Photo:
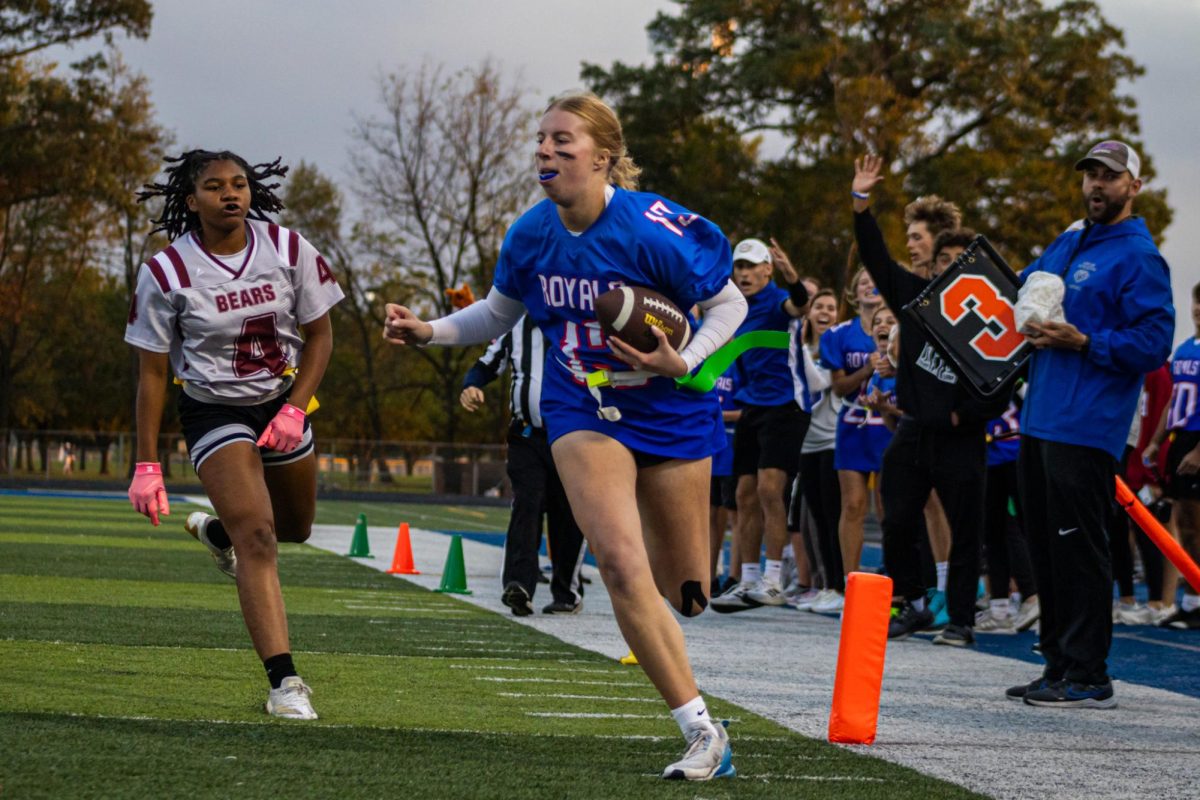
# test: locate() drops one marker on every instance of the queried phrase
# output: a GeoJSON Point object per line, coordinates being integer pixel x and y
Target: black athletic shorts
{"type": "Point", "coordinates": [207, 427]}
{"type": "Point", "coordinates": [1182, 487]}
{"type": "Point", "coordinates": [769, 437]}
{"type": "Point", "coordinates": [723, 492]}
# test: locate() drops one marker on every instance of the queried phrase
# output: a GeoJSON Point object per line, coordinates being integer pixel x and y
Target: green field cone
{"type": "Point", "coordinates": [360, 545]}
{"type": "Point", "coordinates": [454, 576]}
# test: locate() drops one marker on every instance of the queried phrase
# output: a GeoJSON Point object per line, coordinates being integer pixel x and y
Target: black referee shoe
{"type": "Point", "coordinates": [956, 636]}
{"type": "Point", "coordinates": [517, 598]}
{"type": "Point", "coordinates": [562, 607]}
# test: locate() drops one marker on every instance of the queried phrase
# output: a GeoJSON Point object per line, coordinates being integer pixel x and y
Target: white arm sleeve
{"type": "Point", "coordinates": [817, 377]}
{"type": "Point", "coordinates": [478, 322]}
{"type": "Point", "coordinates": [723, 313]}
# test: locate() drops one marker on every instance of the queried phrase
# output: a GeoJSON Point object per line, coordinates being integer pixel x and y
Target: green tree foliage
{"type": "Point", "coordinates": [986, 102]}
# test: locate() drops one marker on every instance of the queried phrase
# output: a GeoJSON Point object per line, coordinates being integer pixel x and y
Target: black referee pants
{"type": "Point", "coordinates": [537, 490]}
{"type": "Point", "coordinates": [954, 462]}
{"type": "Point", "coordinates": [1067, 496]}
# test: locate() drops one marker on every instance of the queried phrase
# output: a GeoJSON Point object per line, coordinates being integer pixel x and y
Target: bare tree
{"type": "Point", "coordinates": [441, 174]}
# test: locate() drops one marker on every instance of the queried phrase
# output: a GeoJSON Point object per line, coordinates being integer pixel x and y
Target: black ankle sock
{"type": "Point", "coordinates": [217, 535]}
{"type": "Point", "coordinates": [279, 667]}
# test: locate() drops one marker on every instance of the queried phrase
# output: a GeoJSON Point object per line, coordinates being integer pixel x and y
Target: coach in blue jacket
{"type": "Point", "coordinates": [1084, 380]}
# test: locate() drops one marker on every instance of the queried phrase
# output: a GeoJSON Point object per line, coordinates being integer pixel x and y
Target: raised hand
{"type": "Point", "coordinates": [781, 262]}
{"type": "Point", "coordinates": [404, 327]}
{"type": "Point", "coordinates": [868, 171]}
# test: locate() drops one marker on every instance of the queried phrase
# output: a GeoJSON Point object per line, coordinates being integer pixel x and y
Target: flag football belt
{"type": "Point", "coordinates": [313, 405]}
{"type": "Point", "coordinates": [598, 379]}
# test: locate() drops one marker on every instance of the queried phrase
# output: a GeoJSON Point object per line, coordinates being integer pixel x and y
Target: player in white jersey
{"type": "Point", "coordinates": [637, 486]}
{"type": "Point", "coordinates": [232, 305]}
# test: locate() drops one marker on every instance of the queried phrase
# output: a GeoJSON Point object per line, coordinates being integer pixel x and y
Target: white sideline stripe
{"type": "Point", "coordinates": [775, 776]}
{"type": "Point", "coordinates": [413, 609]}
{"type": "Point", "coordinates": [557, 680]}
{"type": "Point", "coordinates": [538, 669]}
{"type": "Point", "coordinates": [583, 697]}
{"type": "Point", "coordinates": [495, 650]}
{"type": "Point", "coordinates": [591, 715]}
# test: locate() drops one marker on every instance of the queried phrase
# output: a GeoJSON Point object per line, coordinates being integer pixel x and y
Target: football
{"type": "Point", "coordinates": [629, 312]}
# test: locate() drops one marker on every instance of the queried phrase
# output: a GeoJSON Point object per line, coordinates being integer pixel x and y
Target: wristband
{"type": "Point", "coordinates": [859, 195]}
{"type": "Point", "coordinates": [797, 293]}
{"type": "Point", "coordinates": [147, 468]}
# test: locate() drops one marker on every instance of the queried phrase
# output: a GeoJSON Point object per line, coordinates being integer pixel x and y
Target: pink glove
{"type": "Point", "coordinates": [285, 431]}
{"type": "Point", "coordinates": [147, 492]}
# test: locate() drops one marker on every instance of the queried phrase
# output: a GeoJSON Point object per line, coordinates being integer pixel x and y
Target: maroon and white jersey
{"type": "Point", "coordinates": [231, 324]}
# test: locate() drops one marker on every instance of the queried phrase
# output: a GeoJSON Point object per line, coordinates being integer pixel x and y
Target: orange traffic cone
{"type": "Point", "coordinates": [861, 651]}
{"type": "Point", "coordinates": [402, 561]}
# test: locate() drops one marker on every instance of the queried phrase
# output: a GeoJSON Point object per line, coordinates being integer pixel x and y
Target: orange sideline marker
{"type": "Point", "coordinates": [861, 651]}
{"type": "Point", "coordinates": [1158, 534]}
{"type": "Point", "coordinates": [402, 561]}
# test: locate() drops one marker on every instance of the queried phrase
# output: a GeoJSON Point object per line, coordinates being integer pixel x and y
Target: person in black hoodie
{"type": "Point", "coordinates": [939, 442]}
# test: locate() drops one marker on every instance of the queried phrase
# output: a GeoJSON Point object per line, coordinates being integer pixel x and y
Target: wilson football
{"type": "Point", "coordinates": [629, 312]}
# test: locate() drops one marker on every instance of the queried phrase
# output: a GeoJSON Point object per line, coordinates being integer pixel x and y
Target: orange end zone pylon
{"type": "Point", "coordinates": [402, 561]}
{"type": "Point", "coordinates": [1162, 538]}
{"type": "Point", "coordinates": [861, 651]}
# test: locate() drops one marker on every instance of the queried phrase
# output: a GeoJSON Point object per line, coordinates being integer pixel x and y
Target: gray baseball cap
{"type": "Point", "coordinates": [1115, 155]}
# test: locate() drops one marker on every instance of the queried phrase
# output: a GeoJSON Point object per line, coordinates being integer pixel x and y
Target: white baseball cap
{"type": "Point", "coordinates": [753, 250]}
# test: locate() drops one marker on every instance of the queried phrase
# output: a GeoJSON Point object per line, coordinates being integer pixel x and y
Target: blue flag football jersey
{"type": "Point", "coordinates": [640, 239]}
{"type": "Point", "coordinates": [724, 389]}
{"type": "Point", "coordinates": [861, 434]}
{"type": "Point", "coordinates": [764, 377]}
{"type": "Point", "coordinates": [1185, 385]}
{"type": "Point", "coordinates": [1003, 450]}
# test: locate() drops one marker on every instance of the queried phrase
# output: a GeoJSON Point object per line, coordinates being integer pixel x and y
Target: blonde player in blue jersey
{"type": "Point", "coordinates": [634, 456]}
{"type": "Point", "coordinates": [230, 306]}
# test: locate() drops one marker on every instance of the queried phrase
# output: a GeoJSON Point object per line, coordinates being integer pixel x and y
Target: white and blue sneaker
{"type": "Point", "coordinates": [197, 525]}
{"type": "Point", "coordinates": [708, 756]}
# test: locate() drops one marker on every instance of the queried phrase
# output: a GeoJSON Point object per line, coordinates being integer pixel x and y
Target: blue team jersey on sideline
{"type": "Point", "coordinates": [804, 397]}
{"type": "Point", "coordinates": [764, 376]}
{"type": "Point", "coordinates": [1185, 385]}
{"type": "Point", "coordinates": [725, 388]}
{"type": "Point", "coordinates": [640, 239]}
{"type": "Point", "coordinates": [861, 434]}
{"type": "Point", "coordinates": [1003, 451]}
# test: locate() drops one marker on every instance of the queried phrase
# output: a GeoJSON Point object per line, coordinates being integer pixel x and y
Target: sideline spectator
{"type": "Point", "coordinates": [939, 442]}
{"type": "Point", "coordinates": [537, 489]}
{"type": "Point", "coordinates": [1084, 378]}
{"type": "Point", "coordinates": [722, 494]}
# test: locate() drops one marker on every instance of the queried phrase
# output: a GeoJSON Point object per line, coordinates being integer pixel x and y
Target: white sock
{"type": "Point", "coordinates": [1190, 602]}
{"type": "Point", "coordinates": [750, 572]}
{"type": "Point", "coordinates": [773, 570]}
{"type": "Point", "coordinates": [692, 716]}
{"type": "Point", "coordinates": [1000, 608]}
{"type": "Point", "coordinates": [943, 569]}
{"type": "Point", "coordinates": [788, 551]}
{"type": "Point", "coordinates": [919, 604]}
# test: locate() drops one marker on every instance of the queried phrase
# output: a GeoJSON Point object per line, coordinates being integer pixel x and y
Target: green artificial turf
{"type": "Point", "coordinates": [125, 671]}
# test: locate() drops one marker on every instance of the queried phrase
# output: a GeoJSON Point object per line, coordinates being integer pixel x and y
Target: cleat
{"type": "Point", "coordinates": [517, 598]}
{"type": "Point", "coordinates": [766, 593]}
{"type": "Point", "coordinates": [1068, 694]}
{"type": "Point", "coordinates": [908, 622]}
{"type": "Point", "coordinates": [561, 607]}
{"type": "Point", "coordinates": [1028, 614]}
{"type": "Point", "coordinates": [291, 700]}
{"type": "Point", "coordinates": [955, 636]}
{"type": "Point", "coordinates": [197, 525]}
{"type": "Point", "coordinates": [733, 599]}
{"type": "Point", "coordinates": [708, 756]}
{"type": "Point", "coordinates": [832, 603]}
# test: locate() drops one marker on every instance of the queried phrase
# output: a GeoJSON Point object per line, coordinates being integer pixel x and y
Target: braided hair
{"type": "Point", "coordinates": [177, 219]}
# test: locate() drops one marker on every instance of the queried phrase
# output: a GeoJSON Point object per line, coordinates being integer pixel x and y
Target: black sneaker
{"type": "Point", "coordinates": [955, 636]}
{"type": "Point", "coordinates": [1183, 620]}
{"type": "Point", "coordinates": [1068, 694]}
{"type": "Point", "coordinates": [518, 599]}
{"type": "Point", "coordinates": [1018, 692]}
{"type": "Point", "coordinates": [562, 607]}
{"type": "Point", "coordinates": [909, 621]}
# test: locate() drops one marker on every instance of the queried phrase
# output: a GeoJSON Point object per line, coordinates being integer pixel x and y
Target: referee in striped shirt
{"type": "Point", "coordinates": [535, 482]}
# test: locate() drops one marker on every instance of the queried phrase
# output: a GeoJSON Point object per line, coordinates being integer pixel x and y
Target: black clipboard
{"type": "Point", "coordinates": [967, 314]}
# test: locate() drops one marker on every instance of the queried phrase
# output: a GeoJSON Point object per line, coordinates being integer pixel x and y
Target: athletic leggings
{"type": "Point", "coordinates": [819, 482]}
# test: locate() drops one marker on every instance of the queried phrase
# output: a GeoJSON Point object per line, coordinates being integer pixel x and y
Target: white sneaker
{"type": "Point", "coordinates": [1162, 613]}
{"type": "Point", "coordinates": [805, 600]}
{"type": "Point", "coordinates": [988, 621]}
{"type": "Point", "coordinates": [291, 700]}
{"type": "Point", "coordinates": [766, 593]}
{"type": "Point", "coordinates": [1027, 614]}
{"type": "Point", "coordinates": [1132, 614]}
{"type": "Point", "coordinates": [833, 603]}
{"type": "Point", "coordinates": [708, 756]}
{"type": "Point", "coordinates": [197, 526]}
{"type": "Point", "coordinates": [734, 599]}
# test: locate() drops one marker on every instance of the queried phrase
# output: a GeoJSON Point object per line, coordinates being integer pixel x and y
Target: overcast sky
{"type": "Point", "coordinates": [282, 77]}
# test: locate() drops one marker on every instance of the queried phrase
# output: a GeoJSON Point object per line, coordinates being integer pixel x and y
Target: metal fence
{"type": "Point", "coordinates": [347, 464]}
